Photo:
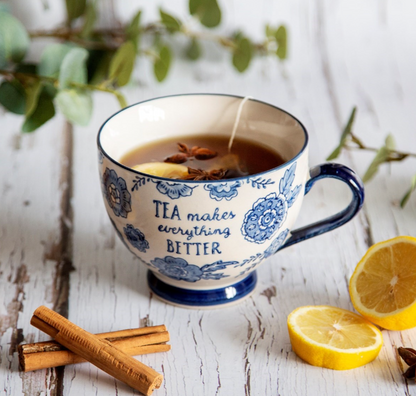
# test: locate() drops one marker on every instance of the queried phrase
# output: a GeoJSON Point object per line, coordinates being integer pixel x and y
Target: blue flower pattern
{"type": "Point", "coordinates": [219, 191]}
{"type": "Point", "coordinates": [276, 244]}
{"type": "Point", "coordinates": [136, 238]}
{"type": "Point", "coordinates": [116, 192]}
{"type": "Point", "coordinates": [173, 190]}
{"type": "Point", "coordinates": [268, 213]}
{"type": "Point", "coordinates": [179, 269]}
{"type": "Point", "coordinates": [119, 234]}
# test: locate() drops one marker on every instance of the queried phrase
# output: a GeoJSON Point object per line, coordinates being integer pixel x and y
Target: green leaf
{"type": "Point", "coordinates": [43, 112]}
{"type": "Point", "coordinates": [193, 52]}
{"type": "Point", "coordinates": [281, 39]}
{"type": "Point", "coordinates": [32, 97]}
{"type": "Point", "coordinates": [75, 105]}
{"type": "Point", "coordinates": [89, 20]}
{"type": "Point", "coordinates": [381, 157]}
{"type": "Point", "coordinates": [73, 68]}
{"type": "Point", "coordinates": [270, 32]}
{"type": "Point", "coordinates": [194, 6]}
{"type": "Point", "coordinates": [12, 96]}
{"type": "Point", "coordinates": [98, 65]}
{"type": "Point", "coordinates": [75, 8]}
{"type": "Point", "coordinates": [4, 7]}
{"type": "Point", "coordinates": [162, 63]}
{"type": "Point", "coordinates": [122, 64]}
{"type": "Point", "coordinates": [51, 59]}
{"type": "Point", "coordinates": [171, 23]}
{"type": "Point", "coordinates": [208, 12]}
{"type": "Point", "coordinates": [406, 197]}
{"type": "Point", "coordinates": [14, 40]}
{"type": "Point", "coordinates": [27, 68]}
{"type": "Point", "coordinates": [242, 54]}
{"type": "Point", "coordinates": [390, 143]}
{"type": "Point", "coordinates": [345, 133]}
{"type": "Point", "coordinates": [133, 30]}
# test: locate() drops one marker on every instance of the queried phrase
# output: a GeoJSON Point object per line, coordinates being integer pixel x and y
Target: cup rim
{"type": "Point", "coordinates": [284, 165]}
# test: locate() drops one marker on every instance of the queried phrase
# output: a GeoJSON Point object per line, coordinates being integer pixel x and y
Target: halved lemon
{"type": "Point", "coordinates": [162, 169]}
{"type": "Point", "coordinates": [332, 337]}
{"type": "Point", "coordinates": [383, 285]}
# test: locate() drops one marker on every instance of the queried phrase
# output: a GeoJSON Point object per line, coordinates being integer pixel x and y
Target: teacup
{"type": "Point", "coordinates": [203, 240]}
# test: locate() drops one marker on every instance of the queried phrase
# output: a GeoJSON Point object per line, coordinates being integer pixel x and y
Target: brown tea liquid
{"type": "Point", "coordinates": [245, 158]}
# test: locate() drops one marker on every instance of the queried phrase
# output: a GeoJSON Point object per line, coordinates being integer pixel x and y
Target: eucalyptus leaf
{"type": "Point", "coordinates": [194, 5]}
{"type": "Point", "coordinates": [412, 188]}
{"type": "Point", "coordinates": [162, 64]}
{"type": "Point", "coordinates": [12, 96]}
{"type": "Point", "coordinates": [14, 39]}
{"type": "Point", "coordinates": [193, 52]}
{"type": "Point", "coordinates": [345, 134]}
{"type": "Point", "coordinates": [133, 30]}
{"type": "Point", "coordinates": [75, 8]}
{"type": "Point", "coordinates": [281, 39]}
{"type": "Point", "coordinates": [98, 65]}
{"type": "Point", "coordinates": [75, 105]}
{"type": "Point", "coordinates": [43, 112]}
{"type": "Point", "coordinates": [73, 68]}
{"type": "Point", "coordinates": [51, 59]}
{"type": "Point", "coordinates": [171, 23]}
{"type": "Point", "coordinates": [122, 64]}
{"type": "Point", "coordinates": [27, 68]}
{"type": "Point", "coordinates": [381, 157]}
{"type": "Point", "coordinates": [208, 12]}
{"type": "Point", "coordinates": [4, 7]}
{"type": "Point", "coordinates": [90, 17]}
{"type": "Point", "coordinates": [270, 32]}
{"type": "Point", "coordinates": [32, 97]}
{"type": "Point", "coordinates": [390, 142]}
{"type": "Point", "coordinates": [242, 54]}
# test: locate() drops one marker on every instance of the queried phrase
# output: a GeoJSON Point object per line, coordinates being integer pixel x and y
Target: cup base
{"type": "Point", "coordinates": [214, 298]}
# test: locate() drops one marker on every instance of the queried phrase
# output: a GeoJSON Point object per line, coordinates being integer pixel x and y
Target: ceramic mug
{"type": "Point", "coordinates": [203, 240]}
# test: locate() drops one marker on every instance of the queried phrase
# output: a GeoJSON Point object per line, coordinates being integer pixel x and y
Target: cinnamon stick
{"type": "Point", "coordinates": [99, 352]}
{"type": "Point", "coordinates": [41, 355]}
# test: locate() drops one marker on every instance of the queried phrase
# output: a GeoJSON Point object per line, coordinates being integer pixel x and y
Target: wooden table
{"type": "Point", "coordinates": [57, 246]}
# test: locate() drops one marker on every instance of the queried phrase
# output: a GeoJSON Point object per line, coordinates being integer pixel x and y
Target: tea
{"type": "Point", "coordinates": [202, 157]}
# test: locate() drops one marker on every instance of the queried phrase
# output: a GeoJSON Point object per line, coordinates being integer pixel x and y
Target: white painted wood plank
{"type": "Point", "coordinates": [29, 229]}
{"type": "Point", "coordinates": [338, 58]}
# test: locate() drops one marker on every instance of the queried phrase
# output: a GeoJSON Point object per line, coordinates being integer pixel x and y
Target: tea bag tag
{"type": "Point", "coordinates": [237, 120]}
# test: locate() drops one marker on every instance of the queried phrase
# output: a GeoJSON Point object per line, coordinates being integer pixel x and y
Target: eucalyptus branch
{"type": "Point", "coordinates": [85, 58]}
{"type": "Point", "coordinates": [385, 154]}
{"type": "Point", "coordinates": [395, 155]}
{"type": "Point", "coordinates": [119, 36]}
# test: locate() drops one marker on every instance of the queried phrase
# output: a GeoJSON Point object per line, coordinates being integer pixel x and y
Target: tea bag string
{"type": "Point", "coordinates": [237, 120]}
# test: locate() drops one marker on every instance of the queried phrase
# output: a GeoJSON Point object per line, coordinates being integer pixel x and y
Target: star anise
{"type": "Point", "coordinates": [409, 356]}
{"type": "Point", "coordinates": [185, 152]}
{"type": "Point", "coordinates": [199, 174]}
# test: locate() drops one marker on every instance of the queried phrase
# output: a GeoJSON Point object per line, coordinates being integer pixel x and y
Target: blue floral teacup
{"type": "Point", "coordinates": [203, 240]}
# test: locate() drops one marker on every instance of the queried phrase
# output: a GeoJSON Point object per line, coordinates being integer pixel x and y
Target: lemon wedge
{"type": "Point", "coordinates": [332, 337]}
{"type": "Point", "coordinates": [383, 285]}
{"type": "Point", "coordinates": [163, 169]}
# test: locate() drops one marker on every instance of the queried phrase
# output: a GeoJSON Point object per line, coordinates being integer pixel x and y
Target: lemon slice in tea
{"type": "Point", "coordinates": [162, 169]}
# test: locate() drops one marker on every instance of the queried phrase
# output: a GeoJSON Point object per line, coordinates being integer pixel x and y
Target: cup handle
{"type": "Point", "coordinates": [335, 171]}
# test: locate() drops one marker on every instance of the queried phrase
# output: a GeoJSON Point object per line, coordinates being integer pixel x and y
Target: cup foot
{"type": "Point", "coordinates": [202, 298]}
